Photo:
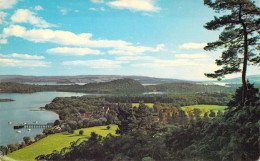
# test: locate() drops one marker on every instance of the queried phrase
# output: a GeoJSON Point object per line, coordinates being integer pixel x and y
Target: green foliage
{"type": "Point", "coordinates": [26, 139]}
{"type": "Point", "coordinates": [212, 114]}
{"type": "Point", "coordinates": [81, 132]}
{"type": "Point", "coordinates": [56, 122]}
{"type": "Point", "coordinates": [239, 38]}
{"type": "Point", "coordinates": [184, 88]}
{"type": "Point", "coordinates": [239, 35]}
{"type": "Point", "coordinates": [133, 118]}
{"type": "Point", "coordinates": [6, 100]}
{"type": "Point", "coordinates": [123, 86]}
{"type": "Point", "coordinates": [230, 136]}
{"type": "Point", "coordinates": [253, 96]}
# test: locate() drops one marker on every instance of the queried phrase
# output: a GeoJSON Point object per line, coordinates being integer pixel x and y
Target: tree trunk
{"type": "Point", "coordinates": [244, 85]}
{"type": "Point", "coordinates": [244, 92]}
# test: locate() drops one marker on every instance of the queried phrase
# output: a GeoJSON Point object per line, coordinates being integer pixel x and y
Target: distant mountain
{"type": "Point", "coordinates": [84, 79]}
{"type": "Point", "coordinates": [252, 79]}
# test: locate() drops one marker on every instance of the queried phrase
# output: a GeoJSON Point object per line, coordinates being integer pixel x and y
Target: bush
{"type": "Point", "coordinates": [81, 132]}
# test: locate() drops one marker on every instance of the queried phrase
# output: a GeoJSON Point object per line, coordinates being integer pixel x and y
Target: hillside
{"type": "Point", "coordinates": [116, 86]}
{"type": "Point", "coordinates": [83, 79]}
{"type": "Point", "coordinates": [188, 88]}
{"type": "Point", "coordinates": [252, 79]}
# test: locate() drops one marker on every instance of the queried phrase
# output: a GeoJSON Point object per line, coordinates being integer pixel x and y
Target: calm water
{"type": "Point", "coordinates": [20, 111]}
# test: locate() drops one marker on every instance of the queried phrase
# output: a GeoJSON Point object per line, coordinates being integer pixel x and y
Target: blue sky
{"type": "Point", "coordinates": [159, 38]}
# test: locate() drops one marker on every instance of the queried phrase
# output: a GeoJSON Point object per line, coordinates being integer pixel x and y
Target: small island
{"type": "Point", "coordinates": [6, 100]}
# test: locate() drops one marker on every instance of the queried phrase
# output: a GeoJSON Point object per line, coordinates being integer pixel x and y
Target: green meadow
{"type": "Point", "coordinates": [205, 108]}
{"type": "Point", "coordinates": [201, 107]}
{"type": "Point", "coordinates": [150, 105]}
{"type": "Point", "coordinates": [57, 142]}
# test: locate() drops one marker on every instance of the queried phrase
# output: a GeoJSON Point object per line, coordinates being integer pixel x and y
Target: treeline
{"type": "Point", "coordinates": [10, 87]}
{"type": "Point", "coordinates": [175, 100]}
{"type": "Point", "coordinates": [188, 88]}
{"type": "Point", "coordinates": [122, 86]}
{"type": "Point", "coordinates": [9, 148]}
{"type": "Point", "coordinates": [68, 107]}
{"type": "Point", "coordinates": [115, 86]}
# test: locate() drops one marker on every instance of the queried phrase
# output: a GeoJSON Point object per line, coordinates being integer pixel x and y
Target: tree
{"type": "Point", "coordinates": [240, 37]}
{"type": "Point", "coordinates": [197, 113]}
{"type": "Point", "coordinates": [132, 119]}
{"type": "Point", "coordinates": [212, 114]}
{"type": "Point", "coordinates": [253, 96]}
{"type": "Point", "coordinates": [81, 132]}
{"type": "Point", "coordinates": [56, 122]}
{"type": "Point", "coordinates": [4, 149]}
{"type": "Point", "coordinates": [26, 140]}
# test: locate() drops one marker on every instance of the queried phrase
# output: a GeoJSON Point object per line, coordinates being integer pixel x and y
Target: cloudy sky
{"type": "Point", "coordinates": [160, 38]}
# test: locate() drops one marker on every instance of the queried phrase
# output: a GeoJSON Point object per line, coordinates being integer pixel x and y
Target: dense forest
{"type": "Point", "coordinates": [68, 107]}
{"type": "Point", "coordinates": [188, 88]}
{"type": "Point", "coordinates": [233, 135]}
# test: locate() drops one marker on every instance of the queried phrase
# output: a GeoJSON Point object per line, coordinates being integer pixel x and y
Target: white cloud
{"type": "Point", "coordinates": [38, 8]}
{"type": "Point", "coordinates": [97, 9]}
{"type": "Point", "coordinates": [134, 50]}
{"type": "Point", "coordinates": [22, 56]}
{"type": "Point", "coordinates": [135, 5]}
{"type": "Point", "coordinates": [97, 1]}
{"type": "Point", "coordinates": [192, 56]}
{"type": "Point", "coordinates": [6, 4]}
{"type": "Point", "coordinates": [60, 37]}
{"type": "Point", "coordinates": [76, 11]}
{"type": "Point", "coordinates": [131, 58]}
{"type": "Point", "coordinates": [101, 63]}
{"type": "Point", "coordinates": [26, 16]}
{"type": "Point", "coordinates": [82, 40]}
{"type": "Point", "coordinates": [93, 9]}
{"type": "Point", "coordinates": [147, 14]}
{"type": "Point", "coordinates": [23, 63]}
{"type": "Point", "coordinates": [2, 17]}
{"type": "Point", "coordinates": [3, 41]}
{"type": "Point", "coordinates": [102, 9]}
{"type": "Point", "coordinates": [73, 51]}
{"type": "Point", "coordinates": [159, 63]}
{"type": "Point", "coordinates": [193, 45]}
{"type": "Point", "coordinates": [63, 11]}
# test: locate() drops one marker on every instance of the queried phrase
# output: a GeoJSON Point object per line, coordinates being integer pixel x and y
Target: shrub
{"type": "Point", "coordinates": [81, 132]}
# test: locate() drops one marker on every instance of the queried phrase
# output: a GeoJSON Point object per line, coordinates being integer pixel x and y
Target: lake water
{"type": "Point", "coordinates": [22, 110]}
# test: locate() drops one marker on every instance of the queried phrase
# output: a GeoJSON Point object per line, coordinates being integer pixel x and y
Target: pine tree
{"type": "Point", "coordinates": [239, 38]}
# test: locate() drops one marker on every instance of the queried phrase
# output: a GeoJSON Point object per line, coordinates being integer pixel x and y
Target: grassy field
{"type": "Point", "coordinates": [57, 142]}
{"type": "Point", "coordinates": [150, 105]}
{"type": "Point", "coordinates": [201, 107]}
{"type": "Point", "coordinates": [205, 108]}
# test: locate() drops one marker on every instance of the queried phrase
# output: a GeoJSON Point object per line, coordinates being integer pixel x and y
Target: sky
{"type": "Point", "coordinates": [157, 38]}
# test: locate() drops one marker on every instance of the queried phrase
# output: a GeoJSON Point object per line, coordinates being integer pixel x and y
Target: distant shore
{"type": "Point", "coordinates": [6, 100]}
